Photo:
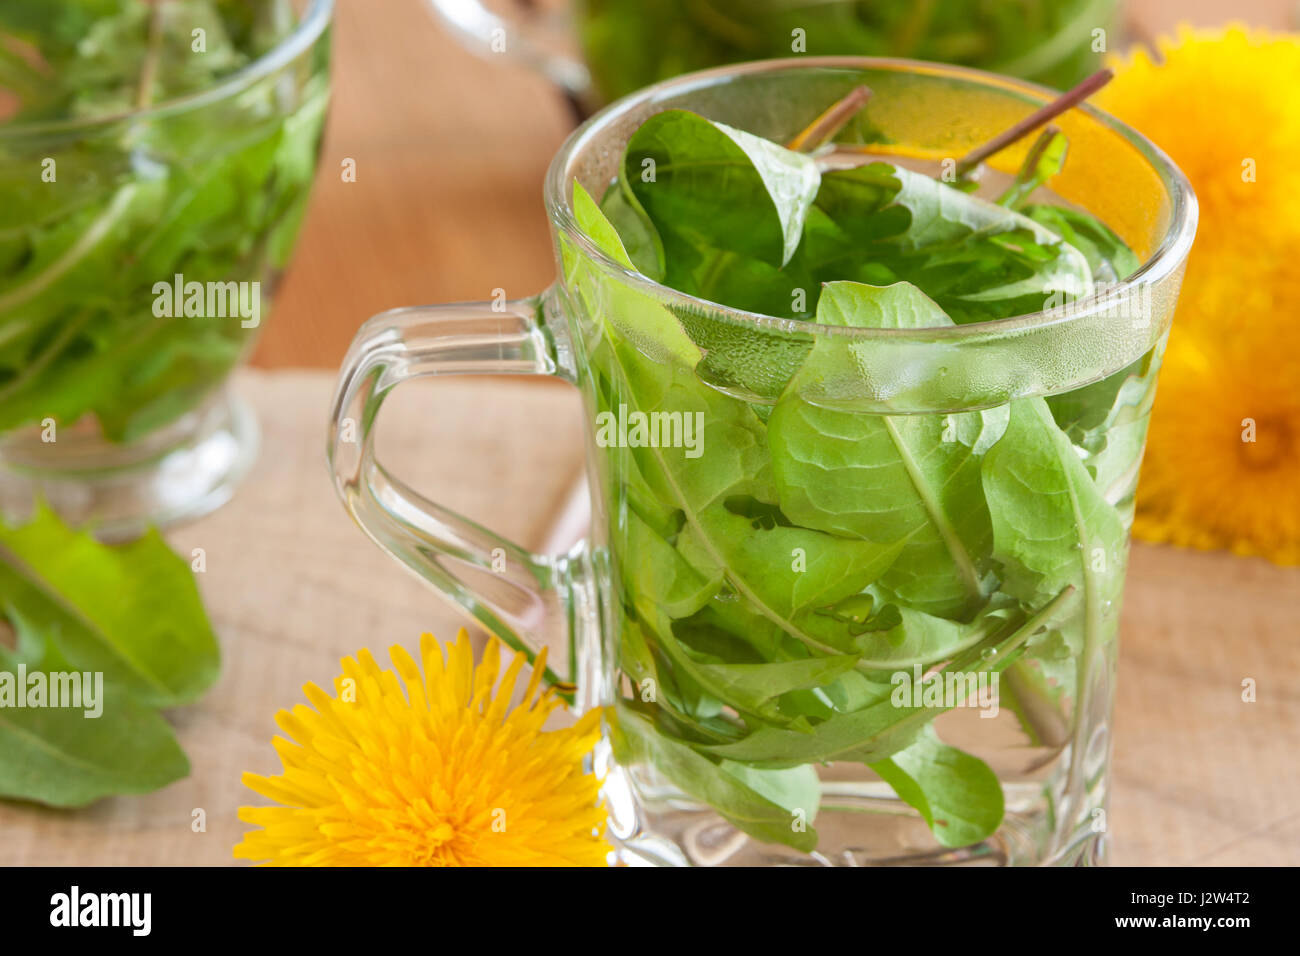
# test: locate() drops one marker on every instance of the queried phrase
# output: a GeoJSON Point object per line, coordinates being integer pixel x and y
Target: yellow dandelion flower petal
{"type": "Point", "coordinates": [1223, 453]}
{"type": "Point", "coordinates": [1219, 99]}
{"type": "Point", "coordinates": [428, 766]}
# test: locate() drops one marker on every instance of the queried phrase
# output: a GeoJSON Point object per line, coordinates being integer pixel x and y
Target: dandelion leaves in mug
{"type": "Point", "coordinates": [780, 582]}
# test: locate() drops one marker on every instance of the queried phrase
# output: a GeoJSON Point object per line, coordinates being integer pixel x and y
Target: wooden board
{"type": "Point", "coordinates": [292, 586]}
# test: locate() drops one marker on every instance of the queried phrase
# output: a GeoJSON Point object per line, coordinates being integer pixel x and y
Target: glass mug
{"type": "Point", "coordinates": [599, 50]}
{"type": "Point", "coordinates": [700, 767]}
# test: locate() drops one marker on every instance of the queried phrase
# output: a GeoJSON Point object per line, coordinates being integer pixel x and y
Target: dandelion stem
{"type": "Point", "coordinates": [1034, 120]}
{"type": "Point", "coordinates": [831, 121]}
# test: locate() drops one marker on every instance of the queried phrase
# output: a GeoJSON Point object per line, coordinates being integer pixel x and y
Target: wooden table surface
{"type": "Point", "coordinates": [292, 585]}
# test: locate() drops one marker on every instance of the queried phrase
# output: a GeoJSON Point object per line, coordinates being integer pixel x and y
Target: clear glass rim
{"type": "Point", "coordinates": [309, 29]}
{"type": "Point", "coordinates": [1169, 254]}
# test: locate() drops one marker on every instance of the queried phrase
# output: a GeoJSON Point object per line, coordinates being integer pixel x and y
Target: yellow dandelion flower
{"type": "Point", "coordinates": [1221, 467]}
{"type": "Point", "coordinates": [1225, 106]}
{"type": "Point", "coordinates": [442, 772]}
{"type": "Point", "coordinates": [1223, 458]}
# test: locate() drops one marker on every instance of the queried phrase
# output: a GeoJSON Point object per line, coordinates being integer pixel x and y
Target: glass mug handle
{"type": "Point", "coordinates": [537, 42]}
{"type": "Point", "coordinates": [511, 592]}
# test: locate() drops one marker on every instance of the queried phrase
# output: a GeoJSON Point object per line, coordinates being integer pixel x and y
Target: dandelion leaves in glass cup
{"type": "Point", "coordinates": [773, 586]}
{"type": "Point", "coordinates": [910, 479]}
{"type": "Point", "coordinates": [706, 184]}
{"type": "Point", "coordinates": [215, 194]}
{"type": "Point", "coordinates": [1045, 159]}
{"type": "Point", "coordinates": [76, 607]}
{"type": "Point", "coordinates": [1052, 527]}
{"type": "Point", "coordinates": [957, 795]}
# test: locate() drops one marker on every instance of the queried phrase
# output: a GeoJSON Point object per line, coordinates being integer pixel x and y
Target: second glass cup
{"type": "Point", "coordinates": [846, 520]}
{"type": "Point", "coordinates": [139, 250]}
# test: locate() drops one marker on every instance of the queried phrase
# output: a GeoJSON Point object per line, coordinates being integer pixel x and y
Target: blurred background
{"type": "Point", "coordinates": [450, 152]}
